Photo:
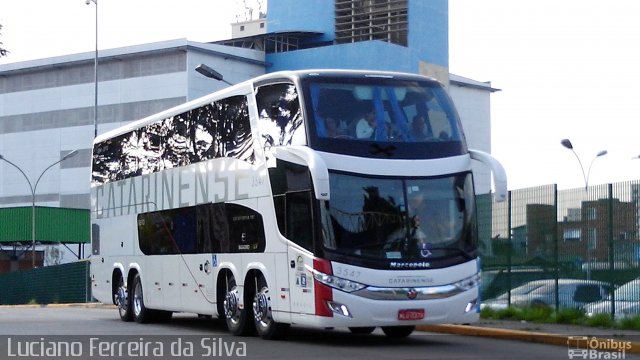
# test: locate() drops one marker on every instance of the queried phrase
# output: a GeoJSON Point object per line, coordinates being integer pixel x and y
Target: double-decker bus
{"type": "Point", "coordinates": [322, 198]}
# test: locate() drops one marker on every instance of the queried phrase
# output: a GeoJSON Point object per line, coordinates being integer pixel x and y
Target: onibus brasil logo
{"type": "Point", "coordinates": [584, 347]}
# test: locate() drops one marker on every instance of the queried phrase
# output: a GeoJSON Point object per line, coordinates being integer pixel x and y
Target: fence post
{"type": "Point", "coordinates": [509, 250]}
{"type": "Point", "coordinates": [610, 246]}
{"type": "Point", "coordinates": [556, 257]}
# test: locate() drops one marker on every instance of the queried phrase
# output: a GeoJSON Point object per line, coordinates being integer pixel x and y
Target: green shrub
{"type": "Point", "coordinates": [510, 313]}
{"type": "Point", "coordinates": [537, 314]}
{"type": "Point", "coordinates": [600, 320]}
{"type": "Point", "coordinates": [570, 316]}
{"type": "Point", "coordinates": [632, 323]}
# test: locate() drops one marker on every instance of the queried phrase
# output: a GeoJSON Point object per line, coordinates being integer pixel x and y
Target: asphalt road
{"type": "Point", "coordinates": [98, 332]}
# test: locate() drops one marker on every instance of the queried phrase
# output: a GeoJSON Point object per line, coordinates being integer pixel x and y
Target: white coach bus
{"type": "Point", "coordinates": [324, 198]}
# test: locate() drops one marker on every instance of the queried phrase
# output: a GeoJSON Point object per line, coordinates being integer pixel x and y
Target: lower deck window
{"type": "Point", "coordinates": [208, 228]}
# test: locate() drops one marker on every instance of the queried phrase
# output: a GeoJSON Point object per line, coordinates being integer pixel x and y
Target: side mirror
{"type": "Point", "coordinates": [499, 174]}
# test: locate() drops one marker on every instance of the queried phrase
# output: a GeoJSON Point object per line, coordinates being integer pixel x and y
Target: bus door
{"type": "Point", "coordinates": [296, 187]}
{"type": "Point", "coordinates": [294, 208]}
{"type": "Point", "coordinates": [301, 282]}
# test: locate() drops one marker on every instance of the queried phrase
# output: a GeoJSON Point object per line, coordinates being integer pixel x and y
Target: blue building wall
{"type": "Point", "coordinates": [370, 55]}
{"type": "Point", "coordinates": [307, 15]}
{"type": "Point", "coordinates": [429, 30]}
{"type": "Point", "coordinates": [428, 38]}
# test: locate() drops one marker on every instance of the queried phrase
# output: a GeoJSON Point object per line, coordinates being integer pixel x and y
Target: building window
{"type": "Point", "coordinates": [364, 20]}
{"type": "Point", "coordinates": [571, 235]}
{"type": "Point", "coordinates": [261, 25]}
{"type": "Point", "coordinates": [241, 27]}
{"type": "Point", "coordinates": [592, 239]}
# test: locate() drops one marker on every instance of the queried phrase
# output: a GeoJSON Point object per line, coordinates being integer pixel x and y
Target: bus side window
{"type": "Point", "coordinates": [246, 229]}
{"type": "Point", "coordinates": [280, 117]}
{"type": "Point", "coordinates": [299, 219]}
{"type": "Point", "coordinates": [292, 199]}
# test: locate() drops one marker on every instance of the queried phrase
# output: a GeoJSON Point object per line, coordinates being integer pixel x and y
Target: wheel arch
{"type": "Point", "coordinates": [116, 273]}
{"type": "Point", "coordinates": [134, 269]}
{"type": "Point", "coordinates": [221, 283]}
{"type": "Point", "coordinates": [255, 270]}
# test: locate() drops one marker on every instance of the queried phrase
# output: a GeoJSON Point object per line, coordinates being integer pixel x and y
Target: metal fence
{"type": "Point", "coordinates": [564, 249]}
{"type": "Point", "coordinates": [67, 283]}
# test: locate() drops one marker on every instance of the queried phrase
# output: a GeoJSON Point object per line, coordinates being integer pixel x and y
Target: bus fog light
{"type": "Point", "coordinates": [471, 306]}
{"type": "Point", "coordinates": [339, 308]}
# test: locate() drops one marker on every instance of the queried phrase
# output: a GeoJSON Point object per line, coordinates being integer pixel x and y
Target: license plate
{"type": "Point", "coordinates": [411, 314]}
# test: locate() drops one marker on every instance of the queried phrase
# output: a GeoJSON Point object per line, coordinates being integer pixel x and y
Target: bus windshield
{"type": "Point", "coordinates": [361, 111]}
{"type": "Point", "coordinates": [400, 220]}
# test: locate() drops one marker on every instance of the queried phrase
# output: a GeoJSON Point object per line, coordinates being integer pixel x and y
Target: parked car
{"type": "Point", "coordinates": [626, 301]}
{"type": "Point", "coordinates": [573, 293]}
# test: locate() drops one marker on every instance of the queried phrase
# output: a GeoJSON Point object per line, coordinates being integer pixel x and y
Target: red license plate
{"type": "Point", "coordinates": [411, 314]}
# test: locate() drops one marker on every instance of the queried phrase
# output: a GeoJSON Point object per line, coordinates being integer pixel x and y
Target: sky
{"type": "Point", "coordinates": [566, 69]}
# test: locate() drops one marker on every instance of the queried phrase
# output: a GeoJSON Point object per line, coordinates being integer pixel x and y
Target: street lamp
{"type": "Point", "coordinates": [33, 199]}
{"type": "Point", "coordinates": [567, 143]}
{"type": "Point", "coordinates": [210, 73]}
{"type": "Point", "coordinates": [95, 75]}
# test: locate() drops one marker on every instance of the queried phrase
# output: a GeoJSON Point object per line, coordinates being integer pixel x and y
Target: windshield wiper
{"type": "Point", "coordinates": [462, 252]}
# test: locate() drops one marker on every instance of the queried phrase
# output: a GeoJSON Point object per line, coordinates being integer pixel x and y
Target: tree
{"type": "Point", "coordinates": [3, 51]}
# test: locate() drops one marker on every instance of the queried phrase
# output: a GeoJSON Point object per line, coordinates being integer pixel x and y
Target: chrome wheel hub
{"type": "Point", "coordinates": [121, 298]}
{"type": "Point", "coordinates": [137, 299]}
{"type": "Point", "coordinates": [261, 307]}
{"type": "Point", "coordinates": [231, 305]}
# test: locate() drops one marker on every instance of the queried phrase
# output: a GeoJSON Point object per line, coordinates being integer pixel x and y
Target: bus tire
{"type": "Point", "coordinates": [266, 327]}
{"type": "Point", "coordinates": [122, 300]}
{"type": "Point", "coordinates": [140, 312]}
{"type": "Point", "coordinates": [398, 332]}
{"type": "Point", "coordinates": [363, 330]}
{"type": "Point", "coordinates": [235, 317]}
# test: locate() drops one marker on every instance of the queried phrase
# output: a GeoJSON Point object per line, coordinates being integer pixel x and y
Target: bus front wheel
{"type": "Point", "coordinates": [398, 331]}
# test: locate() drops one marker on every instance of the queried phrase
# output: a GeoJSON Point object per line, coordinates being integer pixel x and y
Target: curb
{"type": "Point", "coordinates": [71, 305]}
{"type": "Point", "coordinates": [603, 344]}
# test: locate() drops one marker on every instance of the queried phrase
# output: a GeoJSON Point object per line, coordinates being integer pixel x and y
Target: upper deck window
{"type": "Point", "coordinates": [215, 130]}
{"type": "Point", "coordinates": [418, 118]}
{"type": "Point", "coordinates": [280, 117]}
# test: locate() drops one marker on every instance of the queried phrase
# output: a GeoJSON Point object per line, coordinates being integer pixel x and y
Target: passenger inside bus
{"type": "Point", "coordinates": [335, 128]}
{"type": "Point", "coordinates": [419, 129]}
{"type": "Point", "coordinates": [366, 125]}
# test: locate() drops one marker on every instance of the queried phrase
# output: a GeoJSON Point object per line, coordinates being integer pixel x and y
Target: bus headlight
{"type": "Point", "coordinates": [468, 283]}
{"type": "Point", "coordinates": [337, 282]}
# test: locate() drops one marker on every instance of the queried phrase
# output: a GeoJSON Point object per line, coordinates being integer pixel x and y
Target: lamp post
{"type": "Point", "coordinates": [567, 143]}
{"type": "Point", "coordinates": [33, 199]}
{"type": "Point", "coordinates": [95, 75]}
{"type": "Point", "coordinates": [210, 73]}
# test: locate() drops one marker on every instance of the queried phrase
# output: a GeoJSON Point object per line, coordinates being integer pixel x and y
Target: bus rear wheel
{"type": "Point", "coordinates": [267, 328]}
{"type": "Point", "coordinates": [398, 332]}
{"type": "Point", "coordinates": [122, 301]}
{"type": "Point", "coordinates": [235, 317]}
{"type": "Point", "coordinates": [140, 312]}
